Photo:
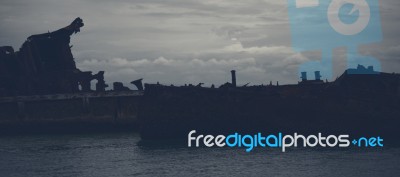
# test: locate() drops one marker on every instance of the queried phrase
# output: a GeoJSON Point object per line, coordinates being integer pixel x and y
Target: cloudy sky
{"type": "Point", "coordinates": [185, 41]}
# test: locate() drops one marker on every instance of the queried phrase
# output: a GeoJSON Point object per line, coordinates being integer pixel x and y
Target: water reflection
{"type": "Point", "coordinates": [123, 154]}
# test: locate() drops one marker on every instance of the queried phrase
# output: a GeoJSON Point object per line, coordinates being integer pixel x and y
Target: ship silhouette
{"type": "Point", "coordinates": [359, 102]}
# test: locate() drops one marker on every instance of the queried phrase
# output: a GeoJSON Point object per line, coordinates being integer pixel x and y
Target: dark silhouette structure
{"type": "Point", "coordinates": [303, 76]}
{"type": "Point", "coordinates": [360, 101]}
{"type": "Point", "coordinates": [101, 84]}
{"type": "Point", "coordinates": [138, 83]}
{"type": "Point", "coordinates": [119, 86]}
{"type": "Point", "coordinates": [45, 65]}
{"type": "Point", "coordinates": [356, 104]}
{"type": "Point", "coordinates": [233, 73]}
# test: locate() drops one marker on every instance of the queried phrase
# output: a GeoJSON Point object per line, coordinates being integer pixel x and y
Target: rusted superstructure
{"type": "Point", "coordinates": [45, 65]}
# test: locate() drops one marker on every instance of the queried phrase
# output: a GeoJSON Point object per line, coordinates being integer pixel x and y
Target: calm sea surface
{"type": "Point", "coordinates": [123, 154]}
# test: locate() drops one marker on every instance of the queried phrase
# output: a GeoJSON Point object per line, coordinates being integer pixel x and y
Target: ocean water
{"type": "Point", "coordinates": [124, 154]}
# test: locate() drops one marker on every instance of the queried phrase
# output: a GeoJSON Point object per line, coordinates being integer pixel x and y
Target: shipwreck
{"type": "Point", "coordinates": [42, 89]}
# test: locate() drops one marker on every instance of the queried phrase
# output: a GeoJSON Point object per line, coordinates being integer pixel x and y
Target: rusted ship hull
{"type": "Point", "coordinates": [353, 104]}
{"type": "Point", "coordinates": [70, 113]}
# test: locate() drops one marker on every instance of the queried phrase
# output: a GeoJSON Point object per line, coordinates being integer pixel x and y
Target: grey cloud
{"type": "Point", "coordinates": [182, 41]}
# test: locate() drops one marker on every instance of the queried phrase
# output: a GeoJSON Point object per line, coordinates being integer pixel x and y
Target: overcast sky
{"type": "Point", "coordinates": [184, 41]}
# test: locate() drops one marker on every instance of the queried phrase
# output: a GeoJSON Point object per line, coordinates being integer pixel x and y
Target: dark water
{"type": "Point", "coordinates": [123, 155]}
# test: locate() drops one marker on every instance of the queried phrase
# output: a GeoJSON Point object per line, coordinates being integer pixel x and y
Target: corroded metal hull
{"type": "Point", "coordinates": [353, 104]}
